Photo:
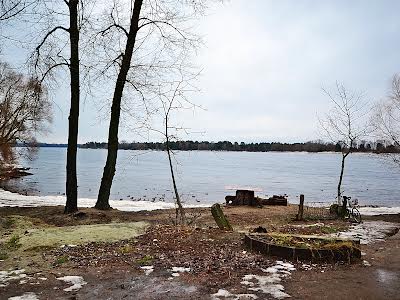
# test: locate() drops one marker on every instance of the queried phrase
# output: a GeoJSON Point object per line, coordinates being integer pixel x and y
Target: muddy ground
{"type": "Point", "coordinates": [162, 261]}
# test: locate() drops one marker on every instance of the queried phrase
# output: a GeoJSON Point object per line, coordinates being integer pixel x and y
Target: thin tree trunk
{"type": "Point", "coordinates": [71, 183]}
{"type": "Point", "coordinates": [180, 210]}
{"type": "Point", "coordinates": [339, 187]}
{"type": "Point", "coordinates": [109, 169]}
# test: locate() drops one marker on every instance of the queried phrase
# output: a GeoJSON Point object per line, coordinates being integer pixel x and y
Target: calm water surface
{"type": "Point", "coordinates": [206, 177]}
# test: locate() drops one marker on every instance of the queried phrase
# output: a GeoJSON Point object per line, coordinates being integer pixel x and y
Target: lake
{"type": "Point", "coordinates": [206, 177]}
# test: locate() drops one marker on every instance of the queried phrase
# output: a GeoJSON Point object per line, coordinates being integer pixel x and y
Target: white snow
{"type": "Point", "coordinates": [25, 296]}
{"type": "Point", "coordinates": [147, 269]}
{"type": "Point", "coordinates": [180, 269]}
{"type": "Point", "coordinates": [366, 263]}
{"type": "Point", "coordinates": [372, 211]}
{"type": "Point", "coordinates": [13, 199]}
{"type": "Point", "coordinates": [6, 276]}
{"type": "Point", "coordinates": [306, 267]}
{"type": "Point", "coordinates": [226, 294]}
{"type": "Point", "coordinates": [176, 270]}
{"type": "Point", "coordinates": [76, 281]}
{"type": "Point", "coordinates": [269, 284]}
{"type": "Point", "coordinates": [368, 231]}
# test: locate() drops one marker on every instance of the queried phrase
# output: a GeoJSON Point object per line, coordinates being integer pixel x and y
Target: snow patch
{"type": "Point", "coordinates": [269, 284]}
{"type": "Point", "coordinates": [373, 211]}
{"type": "Point", "coordinates": [306, 267]}
{"type": "Point", "coordinates": [366, 263]}
{"type": "Point", "coordinates": [6, 276]}
{"type": "Point", "coordinates": [13, 199]}
{"type": "Point", "coordinates": [25, 296]}
{"type": "Point", "coordinates": [76, 281]}
{"type": "Point", "coordinates": [176, 270]}
{"type": "Point", "coordinates": [147, 269]}
{"type": "Point", "coordinates": [369, 231]}
{"type": "Point", "coordinates": [224, 293]}
{"type": "Point", "coordinates": [180, 269]}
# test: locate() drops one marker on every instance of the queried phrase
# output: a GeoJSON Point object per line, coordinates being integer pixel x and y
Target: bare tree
{"type": "Point", "coordinates": [11, 8]}
{"type": "Point", "coordinates": [25, 111]}
{"type": "Point", "coordinates": [174, 99]}
{"type": "Point", "coordinates": [157, 42]}
{"type": "Point", "coordinates": [345, 123]}
{"type": "Point", "coordinates": [57, 48]}
{"type": "Point", "coordinates": [109, 169]}
{"type": "Point", "coordinates": [386, 117]}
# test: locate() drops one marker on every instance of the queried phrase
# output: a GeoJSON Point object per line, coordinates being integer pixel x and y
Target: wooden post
{"type": "Point", "coordinates": [220, 218]}
{"type": "Point", "coordinates": [301, 208]}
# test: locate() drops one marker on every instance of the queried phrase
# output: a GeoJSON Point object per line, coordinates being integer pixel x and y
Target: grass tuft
{"type": "Point", "coordinates": [61, 260]}
{"type": "Point", "coordinates": [145, 260]}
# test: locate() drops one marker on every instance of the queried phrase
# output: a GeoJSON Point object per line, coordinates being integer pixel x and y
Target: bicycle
{"type": "Point", "coordinates": [352, 213]}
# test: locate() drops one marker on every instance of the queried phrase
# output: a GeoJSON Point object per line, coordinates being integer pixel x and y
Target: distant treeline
{"type": "Point", "coordinates": [375, 147]}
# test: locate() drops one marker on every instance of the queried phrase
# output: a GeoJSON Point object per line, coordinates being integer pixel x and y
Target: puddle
{"type": "Point", "coordinates": [387, 277]}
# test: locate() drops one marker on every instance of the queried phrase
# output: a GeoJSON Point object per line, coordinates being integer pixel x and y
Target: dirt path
{"type": "Point", "coordinates": [381, 280]}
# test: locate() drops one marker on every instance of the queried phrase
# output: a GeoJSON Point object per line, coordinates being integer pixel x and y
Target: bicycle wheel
{"type": "Point", "coordinates": [355, 215]}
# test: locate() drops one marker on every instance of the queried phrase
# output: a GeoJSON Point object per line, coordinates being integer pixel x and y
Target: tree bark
{"type": "Point", "coordinates": [71, 182]}
{"type": "Point", "coordinates": [109, 168]}
{"type": "Point", "coordinates": [339, 187]}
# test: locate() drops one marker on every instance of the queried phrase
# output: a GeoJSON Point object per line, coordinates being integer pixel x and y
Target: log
{"type": "Point", "coordinates": [220, 218]}
{"type": "Point", "coordinates": [275, 201]}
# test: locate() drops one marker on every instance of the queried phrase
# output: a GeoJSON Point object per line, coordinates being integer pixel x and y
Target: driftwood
{"type": "Point", "coordinates": [220, 218]}
{"type": "Point", "coordinates": [246, 197]}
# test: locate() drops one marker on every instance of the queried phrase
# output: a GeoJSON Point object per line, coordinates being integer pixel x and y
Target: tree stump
{"type": "Point", "coordinates": [220, 218]}
{"type": "Point", "coordinates": [245, 197]}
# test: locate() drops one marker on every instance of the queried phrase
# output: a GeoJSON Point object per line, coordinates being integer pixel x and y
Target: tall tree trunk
{"type": "Point", "coordinates": [109, 169]}
{"type": "Point", "coordinates": [71, 183]}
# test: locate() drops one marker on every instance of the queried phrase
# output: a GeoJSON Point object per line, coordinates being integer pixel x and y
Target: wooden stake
{"type": "Point", "coordinates": [220, 218]}
{"type": "Point", "coordinates": [301, 208]}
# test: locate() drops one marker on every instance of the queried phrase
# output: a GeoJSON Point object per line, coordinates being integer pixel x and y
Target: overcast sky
{"type": "Point", "coordinates": [264, 64]}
